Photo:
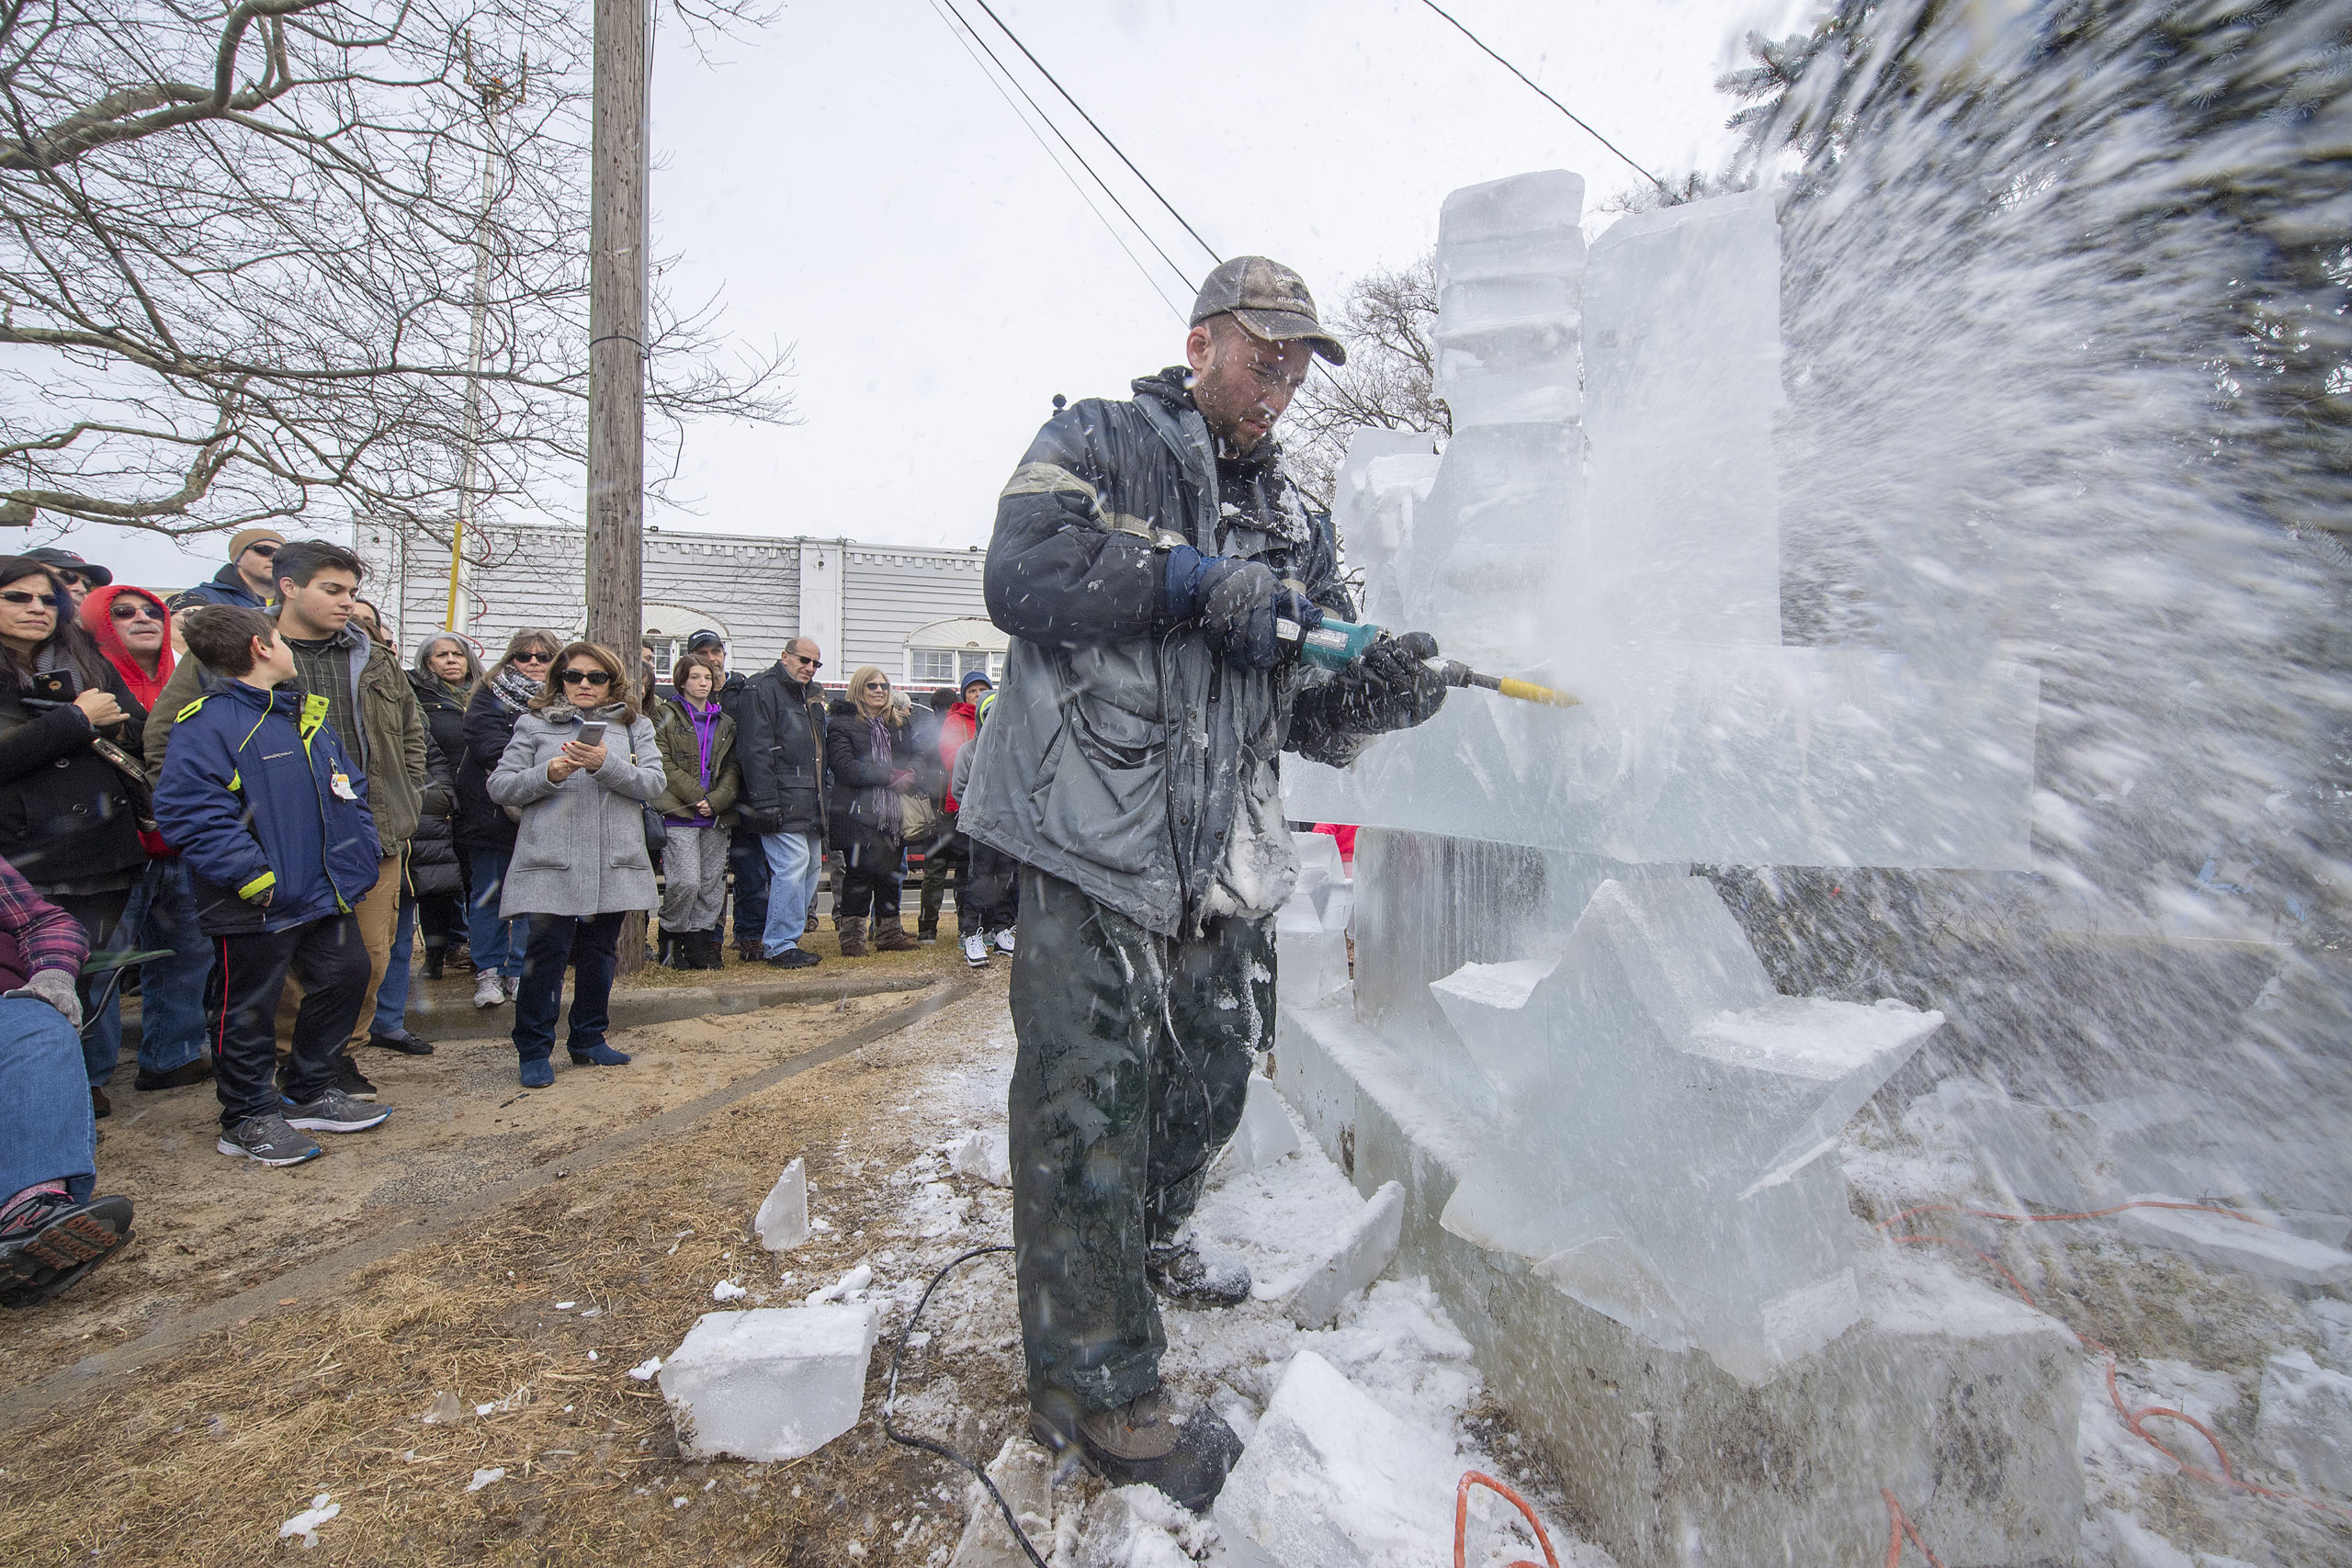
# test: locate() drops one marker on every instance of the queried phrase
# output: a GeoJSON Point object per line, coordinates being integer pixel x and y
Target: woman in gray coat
{"type": "Point", "coordinates": [579, 861]}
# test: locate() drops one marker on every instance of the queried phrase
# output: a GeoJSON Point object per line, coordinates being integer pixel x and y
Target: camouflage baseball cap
{"type": "Point", "coordinates": [1269, 302]}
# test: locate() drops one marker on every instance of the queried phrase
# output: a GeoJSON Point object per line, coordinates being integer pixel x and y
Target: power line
{"type": "Point", "coordinates": [1522, 75]}
{"type": "Point", "coordinates": [1105, 135]}
{"type": "Point", "coordinates": [1150, 282]}
{"type": "Point", "coordinates": [1065, 141]}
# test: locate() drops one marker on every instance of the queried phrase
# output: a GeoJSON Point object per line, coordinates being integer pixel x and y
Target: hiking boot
{"type": "Point", "coordinates": [599, 1056]}
{"type": "Point", "coordinates": [751, 951]}
{"type": "Point", "coordinates": [48, 1241]}
{"type": "Point", "coordinates": [975, 950]}
{"type": "Point", "coordinates": [1178, 1271]}
{"type": "Point", "coordinates": [1004, 941]}
{"type": "Point", "coordinates": [349, 1078]}
{"type": "Point", "coordinates": [100, 1106]}
{"type": "Point", "coordinates": [926, 935]}
{"type": "Point", "coordinates": [490, 990]}
{"type": "Point", "coordinates": [187, 1073]}
{"type": "Point", "coordinates": [709, 951]}
{"type": "Point", "coordinates": [892, 937]}
{"type": "Point", "coordinates": [268, 1139]}
{"type": "Point", "coordinates": [407, 1044]}
{"type": "Point", "coordinates": [852, 938]}
{"type": "Point", "coordinates": [796, 958]}
{"type": "Point", "coordinates": [1139, 1442]}
{"type": "Point", "coordinates": [434, 960]}
{"type": "Point", "coordinates": [334, 1111]}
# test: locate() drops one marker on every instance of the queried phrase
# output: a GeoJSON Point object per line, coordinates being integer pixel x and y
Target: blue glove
{"type": "Point", "coordinates": [1238, 602]}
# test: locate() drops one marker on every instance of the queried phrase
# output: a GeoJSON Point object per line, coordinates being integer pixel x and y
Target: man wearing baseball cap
{"type": "Point", "coordinates": [1144, 553]}
{"type": "Point", "coordinates": [78, 575]}
{"type": "Point", "coordinates": [249, 578]}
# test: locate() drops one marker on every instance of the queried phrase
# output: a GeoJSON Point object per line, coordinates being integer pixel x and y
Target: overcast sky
{"type": "Point", "coordinates": [851, 184]}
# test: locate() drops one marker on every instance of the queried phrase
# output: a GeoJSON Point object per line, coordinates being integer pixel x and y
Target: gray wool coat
{"type": "Point", "coordinates": [580, 848]}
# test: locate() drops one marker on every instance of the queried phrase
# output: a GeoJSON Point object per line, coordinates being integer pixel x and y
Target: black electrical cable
{"type": "Point", "coordinates": [916, 1440]}
{"type": "Point", "coordinates": [1098, 130]}
{"type": "Point", "coordinates": [947, 9]}
{"type": "Point", "coordinates": [1539, 92]}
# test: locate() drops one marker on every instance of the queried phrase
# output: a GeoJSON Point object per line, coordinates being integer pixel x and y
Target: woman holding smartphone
{"type": "Point", "coordinates": [579, 770]}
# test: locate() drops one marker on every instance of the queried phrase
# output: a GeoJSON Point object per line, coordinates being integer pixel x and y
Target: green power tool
{"type": "Point", "coordinates": [1336, 644]}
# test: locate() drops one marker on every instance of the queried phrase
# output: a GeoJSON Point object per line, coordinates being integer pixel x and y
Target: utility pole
{"type": "Point", "coordinates": [616, 265]}
{"type": "Point", "coordinates": [496, 92]}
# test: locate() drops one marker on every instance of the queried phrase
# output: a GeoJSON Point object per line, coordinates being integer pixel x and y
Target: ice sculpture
{"type": "Point", "coordinates": [1605, 520]}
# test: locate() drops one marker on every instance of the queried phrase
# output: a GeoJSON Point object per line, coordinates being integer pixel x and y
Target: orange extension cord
{"type": "Point", "coordinates": [1899, 1526]}
{"type": "Point", "coordinates": [1462, 1518]}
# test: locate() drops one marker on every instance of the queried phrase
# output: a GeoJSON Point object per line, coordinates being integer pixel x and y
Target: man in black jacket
{"type": "Point", "coordinates": [780, 740]}
{"type": "Point", "coordinates": [1144, 553]}
{"type": "Point", "coordinates": [747, 859]}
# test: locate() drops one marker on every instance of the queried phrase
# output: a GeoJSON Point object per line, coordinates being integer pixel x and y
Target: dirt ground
{"type": "Point", "coordinates": [200, 1452]}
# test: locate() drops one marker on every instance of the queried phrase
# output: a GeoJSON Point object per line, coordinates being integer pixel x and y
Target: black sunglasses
{"type": "Point", "coordinates": [18, 596]}
{"type": "Point", "coordinates": [532, 656]}
{"type": "Point", "coordinates": [592, 677]}
{"type": "Point", "coordinates": [265, 551]}
{"type": "Point", "coordinates": [135, 610]}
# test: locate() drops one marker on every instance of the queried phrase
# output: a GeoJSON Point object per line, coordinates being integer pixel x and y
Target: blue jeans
{"type": "Point", "coordinates": [497, 945]}
{"type": "Point", "coordinates": [586, 946]}
{"type": "Point", "coordinates": [162, 913]}
{"type": "Point", "coordinates": [391, 996]}
{"type": "Point", "coordinates": [747, 857]}
{"type": "Point", "coordinates": [793, 862]}
{"type": "Point", "coordinates": [47, 1127]}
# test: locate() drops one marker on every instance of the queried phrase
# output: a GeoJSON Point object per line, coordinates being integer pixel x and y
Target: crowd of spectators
{"type": "Point", "coordinates": [239, 802]}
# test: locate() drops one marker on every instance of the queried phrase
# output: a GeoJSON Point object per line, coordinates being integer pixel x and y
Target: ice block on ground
{"type": "Point", "coordinates": [783, 1220]}
{"type": "Point", "coordinates": [2305, 1424]}
{"type": "Point", "coordinates": [985, 1156]}
{"type": "Point", "coordinates": [1333, 1481]}
{"type": "Point", "coordinates": [1511, 260]}
{"type": "Point", "coordinates": [2237, 1243]}
{"type": "Point", "coordinates": [1024, 1473]}
{"type": "Point", "coordinates": [772, 1383]}
{"type": "Point", "coordinates": [1363, 1257]}
{"type": "Point", "coordinates": [1265, 1134]}
{"type": "Point", "coordinates": [1666, 1148]}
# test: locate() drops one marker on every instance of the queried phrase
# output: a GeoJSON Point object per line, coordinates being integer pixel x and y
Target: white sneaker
{"type": "Point", "coordinates": [488, 992]}
{"type": "Point", "coordinates": [976, 951]}
{"type": "Point", "coordinates": [1004, 940]}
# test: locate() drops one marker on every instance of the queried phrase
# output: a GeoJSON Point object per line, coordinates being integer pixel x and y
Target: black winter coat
{"type": "Point", "coordinates": [433, 869]}
{"type": "Point", "coordinates": [65, 816]}
{"type": "Point", "coordinates": [780, 741]}
{"type": "Point", "coordinates": [856, 772]}
{"type": "Point", "coordinates": [483, 823]}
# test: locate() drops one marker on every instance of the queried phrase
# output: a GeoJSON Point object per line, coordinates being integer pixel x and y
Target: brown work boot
{"type": "Point", "coordinates": [852, 935]}
{"type": "Point", "coordinates": [892, 937]}
{"type": "Point", "coordinates": [1139, 1441]}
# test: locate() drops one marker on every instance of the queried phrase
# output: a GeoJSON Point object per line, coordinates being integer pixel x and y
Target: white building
{"type": "Point", "coordinates": [915, 611]}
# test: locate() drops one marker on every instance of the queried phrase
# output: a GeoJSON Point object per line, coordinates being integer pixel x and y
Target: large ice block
{"type": "Point", "coordinates": [772, 1383]}
{"type": "Point", "coordinates": [1484, 571]}
{"type": "Point", "coordinates": [1376, 496]}
{"type": "Point", "coordinates": [1666, 1148]}
{"type": "Point", "coordinates": [1511, 257]}
{"type": "Point", "coordinates": [1682, 378]}
{"type": "Point", "coordinates": [1780, 756]}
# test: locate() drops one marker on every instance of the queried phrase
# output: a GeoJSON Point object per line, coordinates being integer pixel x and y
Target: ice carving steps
{"type": "Point", "coordinates": [770, 1383]}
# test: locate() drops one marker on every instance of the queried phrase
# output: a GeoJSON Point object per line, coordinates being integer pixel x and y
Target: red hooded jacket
{"type": "Point", "coordinates": [963, 721]}
{"type": "Point", "coordinates": [96, 616]}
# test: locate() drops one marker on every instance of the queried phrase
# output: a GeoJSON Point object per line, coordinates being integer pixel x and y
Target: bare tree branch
{"type": "Point", "coordinates": [1389, 381]}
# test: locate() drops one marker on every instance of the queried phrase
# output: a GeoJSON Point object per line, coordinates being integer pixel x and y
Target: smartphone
{"type": "Point", "coordinates": [592, 733]}
{"type": "Point", "coordinates": [56, 686]}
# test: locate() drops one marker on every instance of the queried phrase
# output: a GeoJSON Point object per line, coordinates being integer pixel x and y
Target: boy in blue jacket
{"type": "Point", "coordinates": [271, 820]}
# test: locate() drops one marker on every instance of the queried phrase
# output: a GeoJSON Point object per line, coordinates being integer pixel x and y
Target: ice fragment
{"type": "Point", "coordinates": [783, 1220]}
{"type": "Point", "coordinates": [1265, 1134]}
{"type": "Point", "coordinates": [2238, 1243]}
{"type": "Point", "coordinates": [2305, 1421]}
{"type": "Point", "coordinates": [984, 1155]}
{"type": "Point", "coordinates": [769, 1383]}
{"type": "Point", "coordinates": [306, 1523]}
{"type": "Point", "coordinates": [1361, 1258]}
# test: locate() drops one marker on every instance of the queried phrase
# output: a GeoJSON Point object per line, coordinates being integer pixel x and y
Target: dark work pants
{"type": "Point", "coordinates": [249, 973]}
{"type": "Point", "coordinates": [985, 903]}
{"type": "Point", "coordinates": [747, 861]}
{"type": "Point", "coordinates": [1130, 1076]}
{"type": "Point", "coordinates": [586, 947]}
{"type": "Point", "coordinates": [945, 860]}
{"type": "Point", "coordinates": [867, 882]}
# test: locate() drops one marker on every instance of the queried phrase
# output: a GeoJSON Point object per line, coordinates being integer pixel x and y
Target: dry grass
{"type": "Point", "coordinates": [198, 1457]}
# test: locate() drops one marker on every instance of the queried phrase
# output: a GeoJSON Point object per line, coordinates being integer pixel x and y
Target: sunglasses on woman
{"type": "Point", "coordinates": [135, 610]}
{"type": "Point", "coordinates": [534, 656]}
{"type": "Point", "coordinates": [586, 677]}
{"type": "Point", "coordinates": [18, 596]}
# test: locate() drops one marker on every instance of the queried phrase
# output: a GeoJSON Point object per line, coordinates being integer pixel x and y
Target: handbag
{"type": "Point", "coordinates": [657, 835]}
{"type": "Point", "coordinates": [919, 819]}
{"type": "Point", "coordinates": [135, 787]}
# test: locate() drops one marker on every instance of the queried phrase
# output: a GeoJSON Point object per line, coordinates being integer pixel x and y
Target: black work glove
{"type": "Point", "coordinates": [1238, 602]}
{"type": "Point", "coordinates": [1389, 688]}
{"type": "Point", "coordinates": [761, 818]}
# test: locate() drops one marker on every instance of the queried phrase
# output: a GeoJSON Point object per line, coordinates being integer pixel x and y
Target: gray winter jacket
{"type": "Point", "coordinates": [579, 849]}
{"type": "Point", "coordinates": [1123, 754]}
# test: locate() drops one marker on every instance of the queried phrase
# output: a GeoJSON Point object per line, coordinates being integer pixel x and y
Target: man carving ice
{"type": "Point", "coordinates": [1143, 553]}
